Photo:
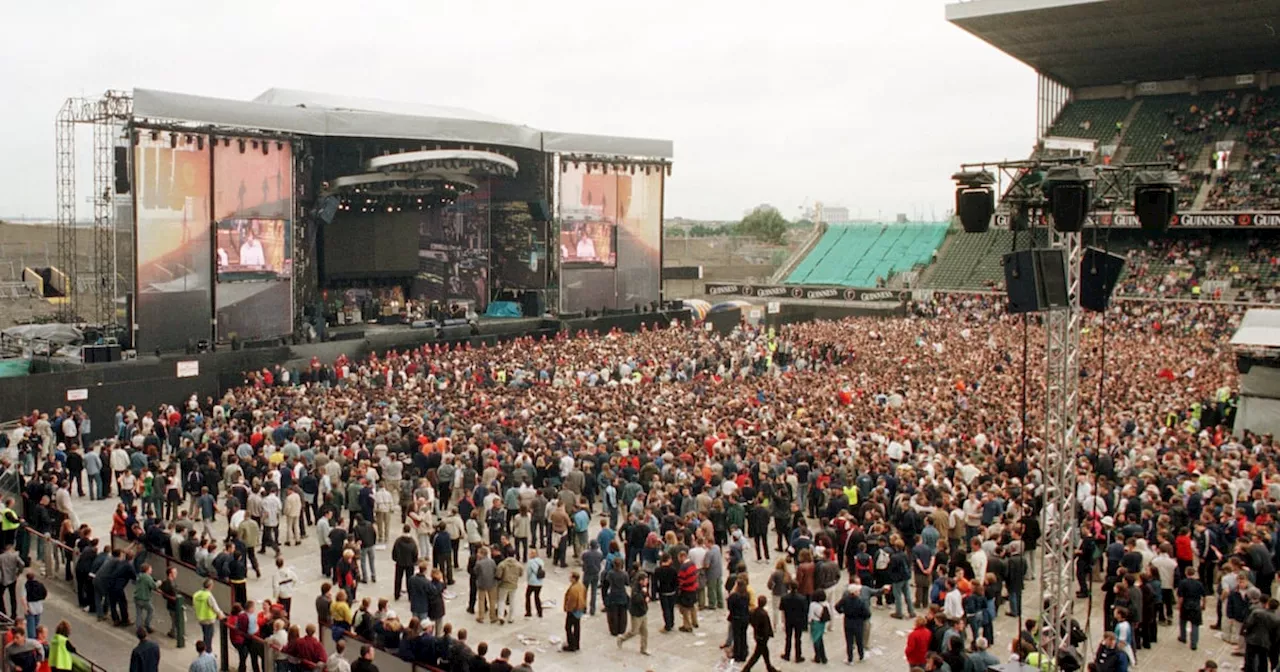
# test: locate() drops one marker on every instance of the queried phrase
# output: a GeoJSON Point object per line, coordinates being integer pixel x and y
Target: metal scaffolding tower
{"type": "Point", "coordinates": [1021, 185]}
{"type": "Point", "coordinates": [108, 115]}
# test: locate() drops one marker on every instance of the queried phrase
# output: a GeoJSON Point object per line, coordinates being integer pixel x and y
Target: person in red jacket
{"type": "Point", "coordinates": [307, 649]}
{"type": "Point", "coordinates": [1183, 551]}
{"type": "Point", "coordinates": [918, 643]}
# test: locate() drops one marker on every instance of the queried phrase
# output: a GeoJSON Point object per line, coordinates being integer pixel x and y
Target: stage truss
{"type": "Point", "coordinates": [108, 115]}
{"type": "Point", "coordinates": [1021, 186]}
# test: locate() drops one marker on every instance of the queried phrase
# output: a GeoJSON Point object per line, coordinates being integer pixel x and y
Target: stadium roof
{"type": "Point", "coordinates": [306, 113]}
{"type": "Point", "coordinates": [1097, 42]}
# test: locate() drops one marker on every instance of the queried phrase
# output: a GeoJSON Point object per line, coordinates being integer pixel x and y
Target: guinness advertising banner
{"type": "Point", "coordinates": [805, 292]}
{"type": "Point", "coordinates": [1185, 220]}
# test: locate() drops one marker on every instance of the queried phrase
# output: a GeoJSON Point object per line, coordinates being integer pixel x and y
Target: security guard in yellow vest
{"type": "Point", "coordinates": [207, 612]}
{"type": "Point", "coordinates": [9, 523]}
{"type": "Point", "coordinates": [60, 648]}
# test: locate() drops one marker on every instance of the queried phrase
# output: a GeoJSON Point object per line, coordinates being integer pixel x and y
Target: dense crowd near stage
{"type": "Point", "coordinates": [876, 463]}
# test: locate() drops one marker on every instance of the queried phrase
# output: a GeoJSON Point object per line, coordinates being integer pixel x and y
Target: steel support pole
{"type": "Point", "coordinates": [1062, 402]}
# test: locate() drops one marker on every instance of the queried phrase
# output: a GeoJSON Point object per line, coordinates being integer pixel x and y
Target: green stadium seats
{"type": "Point", "coordinates": [858, 255]}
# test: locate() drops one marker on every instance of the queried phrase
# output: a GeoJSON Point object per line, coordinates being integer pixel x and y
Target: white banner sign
{"type": "Point", "coordinates": [189, 368]}
{"type": "Point", "coordinates": [78, 394]}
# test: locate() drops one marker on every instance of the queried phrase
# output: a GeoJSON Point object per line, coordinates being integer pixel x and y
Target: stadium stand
{"type": "Point", "coordinates": [1092, 119]}
{"type": "Point", "coordinates": [864, 255]}
{"type": "Point", "coordinates": [1187, 264]}
{"type": "Point", "coordinates": [1178, 126]}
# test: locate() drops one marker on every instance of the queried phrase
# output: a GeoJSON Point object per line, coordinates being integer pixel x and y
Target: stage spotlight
{"type": "Point", "coordinates": [668, 170]}
{"type": "Point", "coordinates": [1155, 199]}
{"type": "Point", "coordinates": [226, 142]}
{"type": "Point", "coordinates": [187, 139]}
{"type": "Point", "coordinates": [975, 205]}
{"type": "Point", "coordinates": [265, 147]}
{"type": "Point", "coordinates": [1070, 194]}
{"type": "Point", "coordinates": [279, 146]}
{"type": "Point", "coordinates": [241, 143]}
{"type": "Point", "coordinates": [155, 135]}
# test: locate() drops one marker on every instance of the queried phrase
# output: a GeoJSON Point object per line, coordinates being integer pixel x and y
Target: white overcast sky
{"type": "Point", "coordinates": [866, 104]}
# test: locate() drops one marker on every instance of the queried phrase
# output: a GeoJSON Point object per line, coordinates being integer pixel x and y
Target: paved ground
{"type": "Point", "coordinates": [676, 652]}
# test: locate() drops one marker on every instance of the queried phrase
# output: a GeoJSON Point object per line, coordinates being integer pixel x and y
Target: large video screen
{"type": "Point", "coordinates": [253, 249]}
{"type": "Point", "coordinates": [588, 217]}
{"type": "Point", "coordinates": [639, 237]}
{"type": "Point", "coordinates": [372, 244]}
{"type": "Point", "coordinates": [634, 275]}
{"type": "Point", "coordinates": [454, 252]}
{"type": "Point", "coordinates": [253, 253]}
{"type": "Point", "coordinates": [174, 262]}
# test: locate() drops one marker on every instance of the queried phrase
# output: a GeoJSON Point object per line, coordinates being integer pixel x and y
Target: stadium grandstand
{"type": "Point", "coordinates": [1211, 107]}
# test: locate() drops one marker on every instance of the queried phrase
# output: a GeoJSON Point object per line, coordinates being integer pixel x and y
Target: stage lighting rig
{"type": "Point", "coordinates": [1069, 191]}
{"type": "Point", "coordinates": [1155, 199]}
{"type": "Point", "coordinates": [975, 200]}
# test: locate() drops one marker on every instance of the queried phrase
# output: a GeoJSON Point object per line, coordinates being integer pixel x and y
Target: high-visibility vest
{"type": "Point", "coordinates": [200, 601]}
{"type": "Point", "coordinates": [6, 524]}
{"type": "Point", "coordinates": [59, 656]}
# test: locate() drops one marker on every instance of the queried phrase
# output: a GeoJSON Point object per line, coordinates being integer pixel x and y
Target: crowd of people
{"type": "Point", "coordinates": [1190, 267]}
{"type": "Point", "coordinates": [873, 463]}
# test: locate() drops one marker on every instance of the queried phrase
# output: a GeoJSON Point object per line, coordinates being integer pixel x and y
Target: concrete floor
{"type": "Point", "coordinates": [675, 652]}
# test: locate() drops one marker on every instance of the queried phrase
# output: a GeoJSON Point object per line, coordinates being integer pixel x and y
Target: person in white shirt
{"type": "Point", "coordinates": [953, 603]}
{"type": "Point", "coordinates": [586, 248]}
{"type": "Point", "coordinates": [251, 253]}
{"type": "Point", "coordinates": [283, 583]}
{"type": "Point", "coordinates": [271, 509]}
{"type": "Point", "coordinates": [978, 559]}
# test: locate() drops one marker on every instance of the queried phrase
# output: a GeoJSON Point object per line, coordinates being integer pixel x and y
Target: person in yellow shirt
{"type": "Point", "coordinates": [340, 615]}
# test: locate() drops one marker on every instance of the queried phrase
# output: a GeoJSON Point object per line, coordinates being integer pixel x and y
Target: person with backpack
{"type": "Point", "coordinates": [819, 618]}
{"type": "Point", "coordinates": [856, 614]}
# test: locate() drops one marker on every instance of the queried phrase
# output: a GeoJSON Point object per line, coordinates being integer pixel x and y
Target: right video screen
{"type": "Point", "coordinates": [588, 217]}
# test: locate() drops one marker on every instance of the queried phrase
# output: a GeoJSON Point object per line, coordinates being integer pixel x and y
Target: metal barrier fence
{"type": "Point", "coordinates": [49, 555]}
{"type": "Point", "coordinates": [188, 581]}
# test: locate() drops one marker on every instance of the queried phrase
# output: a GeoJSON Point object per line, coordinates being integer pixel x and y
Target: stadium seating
{"type": "Point", "coordinates": [1178, 126]}
{"type": "Point", "coordinates": [974, 260]}
{"type": "Point", "coordinates": [1092, 119]}
{"type": "Point", "coordinates": [860, 255]}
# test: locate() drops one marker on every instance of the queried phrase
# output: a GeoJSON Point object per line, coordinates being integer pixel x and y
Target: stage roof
{"type": "Point", "coordinates": [1097, 42]}
{"type": "Point", "coordinates": [1260, 328]}
{"type": "Point", "coordinates": [306, 113]}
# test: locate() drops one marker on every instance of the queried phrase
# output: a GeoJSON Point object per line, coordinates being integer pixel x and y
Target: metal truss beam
{"type": "Point", "coordinates": [108, 115]}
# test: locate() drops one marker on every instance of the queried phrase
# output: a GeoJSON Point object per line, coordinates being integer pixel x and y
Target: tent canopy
{"type": "Point", "coordinates": [1260, 328]}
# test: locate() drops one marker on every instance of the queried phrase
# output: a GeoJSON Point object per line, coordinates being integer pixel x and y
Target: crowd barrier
{"type": "Point", "coordinates": [387, 661]}
{"type": "Point", "coordinates": [51, 554]}
{"type": "Point", "coordinates": [188, 580]}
